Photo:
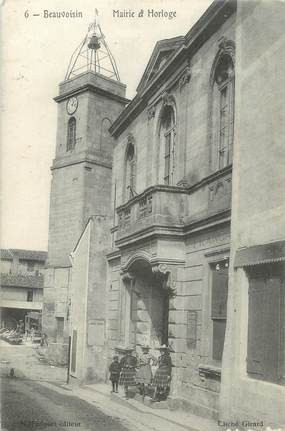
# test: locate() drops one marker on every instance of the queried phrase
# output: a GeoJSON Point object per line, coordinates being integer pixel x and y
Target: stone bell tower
{"type": "Point", "coordinates": [90, 98]}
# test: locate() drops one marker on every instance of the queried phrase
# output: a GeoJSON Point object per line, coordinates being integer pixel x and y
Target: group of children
{"type": "Point", "coordinates": [137, 371]}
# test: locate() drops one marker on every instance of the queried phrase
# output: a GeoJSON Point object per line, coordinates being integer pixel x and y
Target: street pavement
{"type": "Point", "coordinates": [27, 361]}
{"type": "Point", "coordinates": [27, 405]}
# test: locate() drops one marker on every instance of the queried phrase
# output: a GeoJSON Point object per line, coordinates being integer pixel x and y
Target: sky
{"type": "Point", "coordinates": [35, 55]}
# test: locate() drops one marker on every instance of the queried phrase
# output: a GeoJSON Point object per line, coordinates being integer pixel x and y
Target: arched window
{"type": "Point", "coordinates": [167, 137]}
{"type": "Point", "coordinates": [222, 112]}
{"type": "Point", "coordinates": [71, 134]}
{"type": "Point", "coordinates": [130, 162]}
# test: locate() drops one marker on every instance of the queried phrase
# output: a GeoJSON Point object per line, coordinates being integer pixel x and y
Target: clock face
{"type": "Point", "coordinates": [71, 105]}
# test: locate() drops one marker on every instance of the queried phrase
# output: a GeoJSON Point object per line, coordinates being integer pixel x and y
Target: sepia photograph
{"type": "Point", "coordinates": [142, 215]}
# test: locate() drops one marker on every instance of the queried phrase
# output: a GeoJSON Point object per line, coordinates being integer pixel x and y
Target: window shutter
{"type": "Point", "coordinates": [219, 293]}
{"type": "Point", "coordinates": [272, 316]}
{"type": "Point", "coordinates": [219, 330]}
{"type": "Point", "coordinates": [255, 327]}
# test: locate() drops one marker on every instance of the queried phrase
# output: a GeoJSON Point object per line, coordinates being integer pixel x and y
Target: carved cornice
{"type": "Point", "coordinates": [127, 276]}
{"type": "Point", "coordinates": [183, 183]}
{"type": "Point", "coordinates": [160, 269]}
{"type": "Point", "coordinates": [162, 273]}
{"type": "Point", "coordinates": [151, 113]}
{"type": "Point", "coordinates": [90, 87]}
{"type": "Point", "coordinates": [166, 99]}
{"type": "Point", "coordinates": [185, 78]}
{"type": "Point", "coordinates": [139, 255]}
{"type": "Point", "coordinates": [130, 138]}
{"type": "Point", "coordinates": [226, 46]}
{"type": "Point", "coordinates": [77, 158]}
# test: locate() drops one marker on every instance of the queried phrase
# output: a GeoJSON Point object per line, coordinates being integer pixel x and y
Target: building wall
{"type": "Point", "coordinates": [78, 295]}
{"type": "Point", "coordinates": [21, 266]}
{"type": "Point", "coordinates": [65, 226]}
{"type": "Point", "coordinates": [96, 342]}
{"type": "Point", "coordinates": [192, 134]}
{"type": "Point", "coordinates": [5, 266]}
{"type": "Point", "coordinates": [20, 294]}
{"type": "Point", "coordinates": [88, 304]}
{"type": "Point", "coordinates": [114, 329]}
{"type": "Point", "coordinates": [35, 266]}
{"type": "Point", "coordinates": [202, 251]}
{"type": "Point", "coordinates": [258, 185]}
{"type": "Point", "coordinates": [260, 151]}
{"type": "Point", "coordinates": [56, 303]}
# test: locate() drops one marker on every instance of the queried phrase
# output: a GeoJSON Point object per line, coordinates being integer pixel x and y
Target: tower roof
{"type": "Point", "coordinates": [93, 55]}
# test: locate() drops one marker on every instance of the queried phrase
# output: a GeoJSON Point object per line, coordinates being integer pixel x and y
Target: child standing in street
{"type": "Point", "coordinates": [115, 369]}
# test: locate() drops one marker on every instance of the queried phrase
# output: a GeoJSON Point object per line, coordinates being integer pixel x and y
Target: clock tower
{"type": "Point", "coordinates": [90, 98]}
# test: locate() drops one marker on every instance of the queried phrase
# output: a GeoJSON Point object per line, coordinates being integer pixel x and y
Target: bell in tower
{"type": "Point", "coordinates": [93, 54]}
{"type": "Point", "coordinates": [94, 43]}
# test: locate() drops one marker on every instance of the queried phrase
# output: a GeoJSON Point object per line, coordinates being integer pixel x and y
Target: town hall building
{"type": "Point", "coordinates": [159, 232]}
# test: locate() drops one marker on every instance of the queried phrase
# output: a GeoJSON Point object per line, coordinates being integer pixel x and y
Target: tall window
{"type": "Point", "coordinates": [71, 134]}
{"type": "Point", "coordinates": [168, 136]}
{"type": "Point", "coordinates": [219, 307]}
{"type": "Point", "coordinates": [266, 323]}
{"type": "Point", "coordinates": [130, 171]}
{"type": "Point", "coordinates": [223, 112]}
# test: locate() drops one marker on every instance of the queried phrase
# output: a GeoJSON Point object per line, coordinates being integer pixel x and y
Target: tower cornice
{"type": "Point", "coordinates": [83, 159]}
{"type": "Point", "coordinates": [93, 89]}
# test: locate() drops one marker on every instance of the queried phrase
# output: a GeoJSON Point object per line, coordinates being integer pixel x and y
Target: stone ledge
{"type": "Point", "coordinates": [210, 372]}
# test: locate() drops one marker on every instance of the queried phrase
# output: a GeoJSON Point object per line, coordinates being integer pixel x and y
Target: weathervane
{"type": "Point", "coordinates": [93, 55]}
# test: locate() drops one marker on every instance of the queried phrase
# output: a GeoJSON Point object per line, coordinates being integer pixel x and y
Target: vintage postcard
{"type": "Point", "coordinates": [143, 215]}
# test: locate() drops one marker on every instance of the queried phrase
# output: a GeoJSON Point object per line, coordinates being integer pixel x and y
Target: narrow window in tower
{"type": "Point", "coordinates": [71, 134]}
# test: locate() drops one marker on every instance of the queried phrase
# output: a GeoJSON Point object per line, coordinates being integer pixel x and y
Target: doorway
{"type": "Point", "coordinates": [146, 307]}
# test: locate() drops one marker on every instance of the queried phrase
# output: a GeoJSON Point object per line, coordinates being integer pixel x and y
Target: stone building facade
{"type": "Point", "coordinates": [160, 263]}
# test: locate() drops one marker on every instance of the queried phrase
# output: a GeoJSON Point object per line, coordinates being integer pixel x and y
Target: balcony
{"type": "Point", "coordinates": [158, 206]}
{"type": "Point", "coordinates": [23, 305]}
{"type": "Point", "coordinates": [175, 210]}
